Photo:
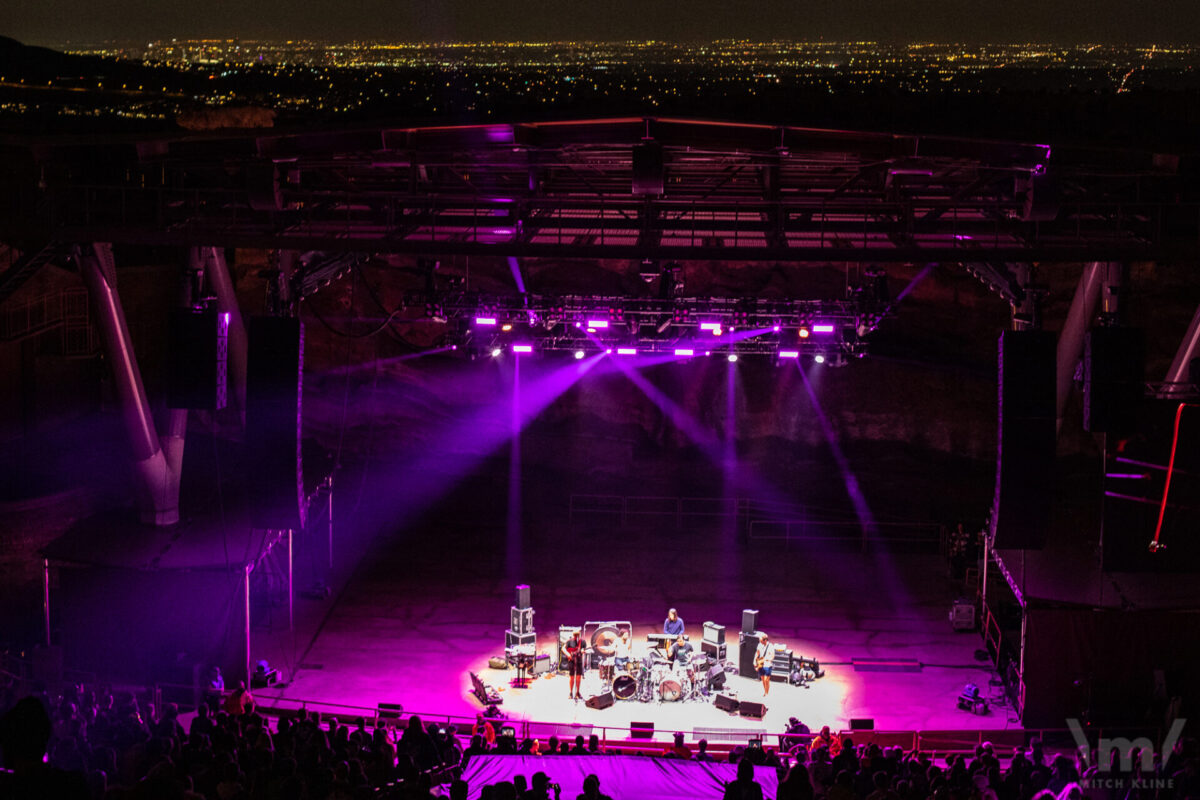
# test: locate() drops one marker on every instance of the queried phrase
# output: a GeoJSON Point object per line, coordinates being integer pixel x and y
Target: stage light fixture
{"type": "Point", "coordinates": [820, 359]}
{"type": "Point", "coordinates": [627, 351]}
{"type": "Point", "coordinates": [495, 351]}
{"type": "Point", "coordinates": [775, 328]}
{"type": "Point", "coordinates": [732, 357]}
{"type": "Point", "coordinates": [663, 325]}
{"type": "Point", "coordinates": [578, 354]}
{"type": "Point", "coordinates": [683, 351]}
{"type": "Point", "coordinates": [597, 323]}
{"type": "Point", "coordinates": [506, 327]}
{"type": "Point", "coordinates": [485, 320]}
{"type": "Point", "coordinates": [522, 348]}
{"type": "Point", "coordinates": [822, 328]}
{"type": "Point", "coordinates": [789, 353]}
{"type": "Point", "coordinates": [802, 333]}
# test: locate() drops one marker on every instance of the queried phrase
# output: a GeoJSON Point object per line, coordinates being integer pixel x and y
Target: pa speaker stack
{"type": "Point", "coordinates": [520, 631]}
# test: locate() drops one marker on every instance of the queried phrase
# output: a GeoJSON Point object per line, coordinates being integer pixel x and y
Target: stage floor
{"type": "Point", "coordinates": [424, 610]}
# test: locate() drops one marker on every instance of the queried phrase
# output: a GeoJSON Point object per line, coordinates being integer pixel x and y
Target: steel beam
{"type": "Point", "coordinates": [1070, 340]}
{"type": "Point", "coordinates": [157, 484]}
{"type": "Point", "coordinates": [1179, 374]}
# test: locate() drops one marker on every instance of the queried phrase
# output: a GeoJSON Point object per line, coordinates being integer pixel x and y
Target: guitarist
{"type": "Point", "coordinates": [575, 649]}
{"type": "Point", "coordinates": [764, 656]}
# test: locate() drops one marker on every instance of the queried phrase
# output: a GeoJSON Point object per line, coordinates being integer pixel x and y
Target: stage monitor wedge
{"type": "Point", "coordinates": [1025, 467]}
{"type": "Point", "coordinates": [603, 700]}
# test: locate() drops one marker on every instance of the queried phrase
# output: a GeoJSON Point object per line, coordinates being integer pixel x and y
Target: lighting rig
{"type": "Point", "coordinates": [828, 331]}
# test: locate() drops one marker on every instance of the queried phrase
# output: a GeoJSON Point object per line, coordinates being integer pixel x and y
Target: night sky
{"type": "Point", "coordinates": [52, 22]}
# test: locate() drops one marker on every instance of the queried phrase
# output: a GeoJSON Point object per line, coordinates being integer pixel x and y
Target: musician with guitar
{"type": "Point", "coordinates": [764, 656]}
{"type": "Point", "coordinates": [575, 649]}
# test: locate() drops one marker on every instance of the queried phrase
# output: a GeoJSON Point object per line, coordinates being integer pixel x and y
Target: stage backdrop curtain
{"type": "Point", "coordinates": [634, 777]}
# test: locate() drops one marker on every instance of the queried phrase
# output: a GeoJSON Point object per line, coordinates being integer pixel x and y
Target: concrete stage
{"type": "Point", "coordinates": [426, 607]}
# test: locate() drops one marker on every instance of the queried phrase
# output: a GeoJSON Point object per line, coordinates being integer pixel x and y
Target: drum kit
{"type": "Point", "coordinates": [655, 679]}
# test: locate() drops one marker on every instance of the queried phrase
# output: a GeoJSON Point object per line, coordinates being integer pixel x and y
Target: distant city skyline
{"type": "Point", "coordinates": [57, 22]}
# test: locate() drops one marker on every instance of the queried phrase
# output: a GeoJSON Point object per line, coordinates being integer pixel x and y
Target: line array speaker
{"type": "Point", "coordinates": [1024, 491]}
{"type": "Point", "coordinates": [1113, 374]}
{"type": "Point", "coordinates": [197, 365]}
{"type": "Point", "coordinates": [274, 376]}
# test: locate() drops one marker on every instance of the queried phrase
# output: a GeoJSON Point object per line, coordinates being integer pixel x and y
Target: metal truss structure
{"type": "Point", "coordinates": [612, 189]}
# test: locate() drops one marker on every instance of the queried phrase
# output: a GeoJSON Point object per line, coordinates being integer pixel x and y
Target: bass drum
{"type": "Point", "coordinates": [670, 690]}
{"type": "Point", "coordinates": [625, 687]}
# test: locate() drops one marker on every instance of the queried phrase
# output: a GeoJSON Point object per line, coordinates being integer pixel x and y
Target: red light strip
{"type": "Point", "coordinates": [1162, 509]}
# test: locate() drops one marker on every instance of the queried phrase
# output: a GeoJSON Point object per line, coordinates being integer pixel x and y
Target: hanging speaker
{"type": "Point", "coordinates": [274, 373]}
{"type": "Point", "coordinates": [649, 169]}
{"type": "Point", "coordinates": [197, 361]}
{"type": "Point", "coordinates": [1113, 379]}
{"type": "Point", "coordinates": [1024, 491]}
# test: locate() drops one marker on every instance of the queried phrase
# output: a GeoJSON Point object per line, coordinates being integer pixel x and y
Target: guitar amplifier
{"type": "Point", "coordinates": [520, 620]}
{"type": "Point", "coordinates": [542, 664]}
{"type": "Point", "coordinates": [781, 667]}
{"type": "Point", "coordinates": [714, 633]}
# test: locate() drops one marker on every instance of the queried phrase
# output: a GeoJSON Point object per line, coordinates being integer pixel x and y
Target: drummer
{"type": "Point", "coordinates": [680, 652]}
{"type": "Point", "coordinates": [621, 654]}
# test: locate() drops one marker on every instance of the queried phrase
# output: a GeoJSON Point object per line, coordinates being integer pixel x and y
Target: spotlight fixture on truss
{"type": "Point", "coordinates": [742, 326]}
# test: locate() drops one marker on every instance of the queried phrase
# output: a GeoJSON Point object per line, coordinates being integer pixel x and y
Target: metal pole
{"type": "Point", "coordinates": [330, 482]}
{"type": "Point", "coordinates": [246, 591]}
{"type": "Point", "coordinates": [46, 597]}
{"type": "Point", "coordinates": [291, 587]}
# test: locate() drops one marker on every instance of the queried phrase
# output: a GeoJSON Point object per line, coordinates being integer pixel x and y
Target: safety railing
{"type": "Point", "coordinates": [68, 309]}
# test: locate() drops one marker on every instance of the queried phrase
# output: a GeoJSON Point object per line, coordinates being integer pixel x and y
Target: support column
{"type": "Point", "coordinates": [157, 485]}
{"type": "Point", "coordinates": [46, 597]}
{"type": "Point", "coordinates": [216, 272]}
{"type": "Point", "coordinates": [1070, 341]}
{"type": "Point", "coordinates": [246, 620]}
{"type": "Point", "coordinates": [291, 587]}
{"type": "Point", "coordinates": [329, 484]}
{"type": "Point", "coordinates": [1189, 351]}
